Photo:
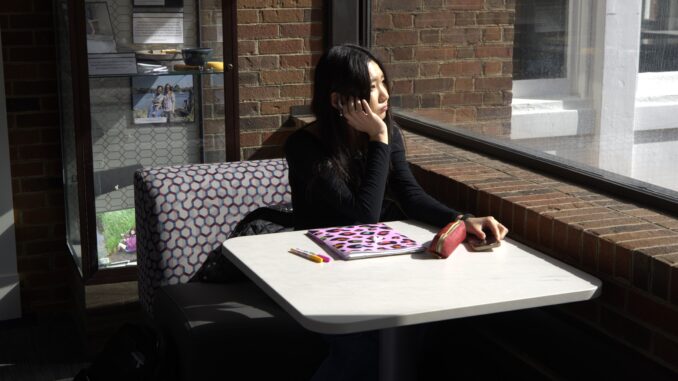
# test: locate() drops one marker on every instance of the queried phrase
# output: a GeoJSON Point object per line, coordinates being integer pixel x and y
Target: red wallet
{"type": "Point", "coordinates": [448, 238]}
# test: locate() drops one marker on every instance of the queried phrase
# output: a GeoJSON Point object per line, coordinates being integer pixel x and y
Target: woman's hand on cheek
{"type": "Point", "coordinates": [359, 116]}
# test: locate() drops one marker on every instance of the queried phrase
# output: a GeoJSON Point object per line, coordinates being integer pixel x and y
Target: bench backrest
{"type": "Point", "coordinates": [185, 212]}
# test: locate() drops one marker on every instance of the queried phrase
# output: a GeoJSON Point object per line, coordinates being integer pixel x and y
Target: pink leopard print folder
{"type": "Point", "coordinates": [364, 241]}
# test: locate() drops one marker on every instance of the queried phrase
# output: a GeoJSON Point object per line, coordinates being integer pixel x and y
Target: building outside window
{"type": "Point", "coordinates": [593, 85]}
{"type": "Point", "coordinates": [611, 90]}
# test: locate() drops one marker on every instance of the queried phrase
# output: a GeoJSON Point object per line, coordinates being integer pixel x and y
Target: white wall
{"type": "Point", "coordinates": [10, 303]}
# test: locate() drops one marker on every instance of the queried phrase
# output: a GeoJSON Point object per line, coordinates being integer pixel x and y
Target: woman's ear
{"type": "Point", "coordinates": [335, 99]}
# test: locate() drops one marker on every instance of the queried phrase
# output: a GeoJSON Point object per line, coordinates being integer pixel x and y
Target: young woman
{"type": "Point", "coordinates": [169, 100]}
{"type": "Point", "coordinates": [155, 108]}
{"type": "Point", "coordinates": [350, 167]}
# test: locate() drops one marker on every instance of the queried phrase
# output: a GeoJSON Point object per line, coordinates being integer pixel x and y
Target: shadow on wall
{"type": "Point", "coordinates": [272, 144]}
{"type": "Point", "coordinates": [269, 144]}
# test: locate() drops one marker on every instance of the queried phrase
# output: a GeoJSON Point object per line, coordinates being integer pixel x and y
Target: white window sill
{"type": "Point", "coordinates": [540, 118]}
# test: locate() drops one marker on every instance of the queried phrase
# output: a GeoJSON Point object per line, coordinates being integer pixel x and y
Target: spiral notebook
{"type": "Point", "coordinates": [364, 241]}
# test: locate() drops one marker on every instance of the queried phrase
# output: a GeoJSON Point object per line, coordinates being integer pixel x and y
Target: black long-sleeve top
{"type": "Point", "coordinates": [322, 199]}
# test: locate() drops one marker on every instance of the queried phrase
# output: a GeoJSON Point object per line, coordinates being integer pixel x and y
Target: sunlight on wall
{"type": "Point", "coordinates": [10, 304]}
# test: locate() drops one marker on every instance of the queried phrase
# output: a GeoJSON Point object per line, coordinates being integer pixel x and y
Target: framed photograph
{"type": "Point", "coordinates": [163, 99]}
{"type": "Point", "coordinates": [100, 36]}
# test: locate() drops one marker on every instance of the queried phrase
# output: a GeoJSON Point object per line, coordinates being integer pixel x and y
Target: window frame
{"type": "Point", "coordinates": [578, 67]}
{"type": "Point", "coordinates": [572, 93]}
{"type": "Point", "coordinates": [348, 21]}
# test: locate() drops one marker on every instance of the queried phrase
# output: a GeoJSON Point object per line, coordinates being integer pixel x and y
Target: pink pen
{"type": "Point", "coordinates": [325, 258]}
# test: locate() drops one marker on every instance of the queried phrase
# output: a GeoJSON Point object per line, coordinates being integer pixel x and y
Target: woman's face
{"type": "Point", "coordinates": [378, 93]}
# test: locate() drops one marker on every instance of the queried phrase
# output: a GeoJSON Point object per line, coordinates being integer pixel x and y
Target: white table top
{"type": "Point", "coordinates": [386, 292]}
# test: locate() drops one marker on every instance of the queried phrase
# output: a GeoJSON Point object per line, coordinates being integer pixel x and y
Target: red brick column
{"type": "Point", "coordinates": [279, 44]}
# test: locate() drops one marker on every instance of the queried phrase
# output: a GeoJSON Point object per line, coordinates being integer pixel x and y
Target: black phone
{"type": "Point", "coordinates": [477, 244]}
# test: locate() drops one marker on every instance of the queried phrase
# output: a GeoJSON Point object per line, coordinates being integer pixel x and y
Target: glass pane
{"type": "Point", "coordinates": [540, 39]}
{"type": "Point", "coordinates": [68, 152]}
{"type": "Point", "coordinates": [123, 140]}
{"type": "Point", "coordinates": [659, 36]}
{"type": "Point", "coordinates": [211, 36]}
{"type": "Point", "coordinates": [568, 80]}
{"type": "Point", "coordinates": [159, 113]}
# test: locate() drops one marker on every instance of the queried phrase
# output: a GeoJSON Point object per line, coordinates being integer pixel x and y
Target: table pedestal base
{"type": "Point", "coordinates": [398, 353]}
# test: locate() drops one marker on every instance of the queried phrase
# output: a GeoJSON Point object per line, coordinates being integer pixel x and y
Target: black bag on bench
{"type": "Point", "coordinates": [263, 220]}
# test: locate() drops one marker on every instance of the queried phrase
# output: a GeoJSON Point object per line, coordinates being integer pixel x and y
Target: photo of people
{"type": "Point", "coordinates": [163, 99]}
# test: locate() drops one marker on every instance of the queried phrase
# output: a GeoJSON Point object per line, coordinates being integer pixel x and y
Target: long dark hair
{"type": "Point", "coordinates": [344, 69]}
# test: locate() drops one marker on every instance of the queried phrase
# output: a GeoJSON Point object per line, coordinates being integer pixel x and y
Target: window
{"type": "Point", "coordinates": [590, 86]}
{"type": "Point", "coordinates": [552, 48]}
{"type": "Point", "coordinates": [540, 42]}
{"type": "Point", "coordinates": [117, 118]}
{"type": "Point", "coordinates": [656, 100]}
{"type": "Point", "coordinates": [659, 36]}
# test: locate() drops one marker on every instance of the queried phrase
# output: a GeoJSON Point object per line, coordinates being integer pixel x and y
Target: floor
{"type": "Point", "coordinates": [55, 347]}
{"type": "Point", "coordinates": [537, 344]}
{"type": "Point", "coordinates": [546, 343]}
{"type": "Point", "coordinates": [46, 349]}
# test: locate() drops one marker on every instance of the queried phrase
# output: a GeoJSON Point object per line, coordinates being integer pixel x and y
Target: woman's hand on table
{"type": "Point", "coordinates": [475, 226]}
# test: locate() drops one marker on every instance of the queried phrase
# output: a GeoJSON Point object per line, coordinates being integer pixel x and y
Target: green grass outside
{"type": "Point", "coordinates": [114, 225]}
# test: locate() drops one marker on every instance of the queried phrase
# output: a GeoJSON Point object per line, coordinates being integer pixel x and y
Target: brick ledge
{"type": "Point", "coordinates": [632, 249]}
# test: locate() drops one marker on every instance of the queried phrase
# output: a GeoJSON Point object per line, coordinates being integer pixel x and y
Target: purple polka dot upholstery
{"type": "Point", "coordinates": [185, 212]}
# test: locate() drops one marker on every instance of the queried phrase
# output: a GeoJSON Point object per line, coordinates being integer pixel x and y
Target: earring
{"type": "Point", "coordinates": [341, 113]}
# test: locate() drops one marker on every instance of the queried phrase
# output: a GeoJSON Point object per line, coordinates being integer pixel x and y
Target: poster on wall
{"type": "Point", "coordinates": [158, 28]}
{"type": "Point", "coordinates": [163, 99]}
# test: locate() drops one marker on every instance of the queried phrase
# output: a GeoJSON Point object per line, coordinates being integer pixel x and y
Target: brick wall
{"type": "Point", "coordinates": [454, 56]}
{"type": "Point", "coordinates": [632, 249]}
{"type": "Point", "coordinates": [279, 44]}
{"type": "Point", "coordinates": [35, 153]}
